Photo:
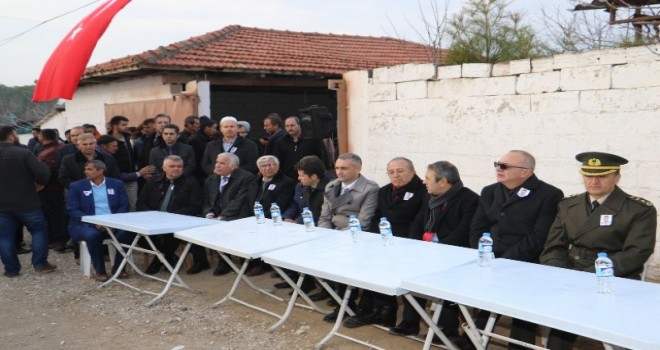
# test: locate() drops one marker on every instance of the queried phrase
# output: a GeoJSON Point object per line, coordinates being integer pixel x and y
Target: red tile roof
{"type": "Point", "coordinates": [254, 50]}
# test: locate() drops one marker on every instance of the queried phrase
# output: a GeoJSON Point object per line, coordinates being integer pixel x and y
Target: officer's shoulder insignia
{"type": "Point", "coordinates": [641, 200]}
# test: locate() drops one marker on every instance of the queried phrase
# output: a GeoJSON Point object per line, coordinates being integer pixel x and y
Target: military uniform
{"type": "Point", "coordinates": [623, 226]}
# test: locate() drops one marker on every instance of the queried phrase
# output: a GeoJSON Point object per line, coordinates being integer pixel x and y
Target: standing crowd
{"type": "Point", "coordinates": [217, 170]}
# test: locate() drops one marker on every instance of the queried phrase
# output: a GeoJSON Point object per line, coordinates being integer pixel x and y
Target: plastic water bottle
{"type": "Point", "coordinates": [355, 227]}
{"type": "Point", "coordinates": [308, 219]}
{"type": "Point", "coordinates": [604, 273]}
{"type": "Point", "coordinates": [385, 231]}
{"type": "Point", "coordinates": [259, 212]}
{"type": "Point", "coordinates": [275, 214]}
{"type": "Point", "coordinates": [485, 249]}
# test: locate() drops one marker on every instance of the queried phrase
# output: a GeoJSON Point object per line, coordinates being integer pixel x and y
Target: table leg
{"type": "Point", "coordinates": [334, 295]}
{"type": "Point", "coordinates": [236, 281]}
{"type": "Point", "coordinates": [432, 323]}
{"type": "Point", "coordinates": [174, 274]}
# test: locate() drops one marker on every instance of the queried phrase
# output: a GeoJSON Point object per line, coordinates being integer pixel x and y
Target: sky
{"type": "Point", "coordinates": [147, 24]}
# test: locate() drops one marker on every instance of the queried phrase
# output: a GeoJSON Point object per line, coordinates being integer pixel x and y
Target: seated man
{"type": "Point", "coordinates": [399, 201]}
{"type": "Point", "coordinates": [228, 195]}
{"type": "Point", "coordinates": [172, 192]}
{"type": "Point", "coordinates": [272, 187]}
{"type": "Point", "coordinates": [602, 219]}
{"type": "Point", "coordinates": [97, 195]}
{"type": "Point", "coordinates": [444, 218]}
{"type": "Point", "coordinates": [309, 191]}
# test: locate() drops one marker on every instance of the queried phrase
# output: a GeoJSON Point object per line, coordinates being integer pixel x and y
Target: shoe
{"type": "Point", "coordinates": [62, 247]}
{"type": "Point", "coordinates": [23, 250]}
{"type": "Point", "coordinates": [362, 320]}
{"type": "Point", "coordinates": [222, 269]}
{"type": "Point", "coordinates": [405, 328]}
{"type": "Point", "coordinates": [331, 317]}
{"type": "Point", "coordinates": [332, 302]}
{"type": "Point", "coordinates": [258, 270]}
{"type": "Point", "coordinates": [154, 267]}
{"type": "Point", "coordinates": [10, 274]}
{"type": "Point", "coordinates": [321, 295]}
{"type": "Point", "coordinates": [122, 275]}
{"type": "Point", "coordinates": [282, 285]}
{"type": "Point", "coordinates": [48, 268]}
{"type": "Point", "coordinates": [198, 267]}
{"type": "Point", "coordinates": [274, 274]}
{"type": "Point", "coordinates": [101, 277]}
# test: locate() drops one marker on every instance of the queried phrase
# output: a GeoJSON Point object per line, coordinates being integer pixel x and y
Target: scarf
{"type": "Point", "coordinates": [436, 201]}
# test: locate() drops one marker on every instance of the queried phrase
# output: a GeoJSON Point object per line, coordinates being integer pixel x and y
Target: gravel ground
{"type": "Point", "coordinates": [63, 310]}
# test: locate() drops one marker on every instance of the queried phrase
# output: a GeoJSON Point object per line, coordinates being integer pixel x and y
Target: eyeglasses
{"type": "Point", "coordinates": [504, 166]}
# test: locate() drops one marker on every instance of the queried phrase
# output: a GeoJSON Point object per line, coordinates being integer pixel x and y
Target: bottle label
{"type": "Point", "coordinates": [485, 248]}
{"type": "Point", "coordinates": [605, 272]}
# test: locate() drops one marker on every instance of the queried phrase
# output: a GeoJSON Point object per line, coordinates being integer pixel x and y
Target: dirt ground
{"type": "Point", "coordinates": [63, 310]}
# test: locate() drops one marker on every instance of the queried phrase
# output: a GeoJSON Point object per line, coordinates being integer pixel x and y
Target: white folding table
{"type": "Point", "coordinates": [146, 224]}
{"type": "Point", "coordinates": [554, 297]}
{"type": "Point", "coordinates": [246, 239]}
{"type": "Point", "coordinates": [367, 264]}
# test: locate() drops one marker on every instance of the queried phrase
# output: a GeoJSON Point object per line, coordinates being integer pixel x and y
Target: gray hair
{"type": "Point", "coordinates": [444, 169]}
{"type": "Point", "coordinates": [228, 119]}
{"type": "Point", "coordinates": [173, 158]}
{"type": "Point", "coordinates": [245, 125]}
{"type": "Point", "coordinates": [528, 159]}
{"type": "Point", "coordinates": [85, 136]}
{"type": "Point", "coordinates": [352, 157]}
{"type": "Point", "coordinates": [408, 162]}
{"type": "Point", "coordinates": [233, 159]}
{"type": "Point", "coordinates": [98, 164]}
{"type": "Point", "coordinates": [266, 158]}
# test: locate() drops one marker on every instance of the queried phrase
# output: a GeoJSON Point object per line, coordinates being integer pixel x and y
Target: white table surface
{"type": "Point", "coordinates": [246, 239]}
{"type": "Point", "coordinates": [148, 222]}
{"type": "Point", "coordinates": [368, 263]}
{"type": "Point", "coordinates": [558, 298]}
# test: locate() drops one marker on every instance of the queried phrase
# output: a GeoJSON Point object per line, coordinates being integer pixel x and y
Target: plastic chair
{"type": "Point", "coordinates": [86, 260]}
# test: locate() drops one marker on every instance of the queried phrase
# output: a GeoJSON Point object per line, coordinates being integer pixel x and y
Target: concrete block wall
{"type": "Point", "coordinates": [553, 107]}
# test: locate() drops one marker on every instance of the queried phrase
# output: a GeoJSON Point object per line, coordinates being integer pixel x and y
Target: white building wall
{"type": "Point", "coordinates": [87, 105]}
{"type": "Point", "coordinates": [552, 107]}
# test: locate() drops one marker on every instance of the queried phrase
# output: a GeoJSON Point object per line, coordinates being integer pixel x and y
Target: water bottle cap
{"type": "Point", "coordinates": [602, 255]}
{"type": "Point", "coordinates": [353, 217]}
{"type": "Point", "coordinates": [486, 234]}
{"type": "Point", "coordinates": [383, 219]}
{"type": "Point", "coordinates": [256, 202]}
{"type": "Point", "coordinates": [305, 208]}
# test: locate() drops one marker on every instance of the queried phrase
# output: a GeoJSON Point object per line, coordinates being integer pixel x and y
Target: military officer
{"type": "Point", "coordinates": [603, 219]}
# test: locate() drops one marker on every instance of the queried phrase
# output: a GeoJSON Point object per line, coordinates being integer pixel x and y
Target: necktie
{"type": "Point", "coordinates": [594, 205]}
{"type": "Point", "coordinates": [223, 182]}
{"type": "Point", "coordinates": [344, 189]}
{"type": "Point", "coordinates": [168, 196]}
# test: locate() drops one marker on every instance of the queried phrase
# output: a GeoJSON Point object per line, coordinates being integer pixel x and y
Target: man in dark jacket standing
{"type": "Point", "coordinates": [172, 147]}
{"type": "Point", "coordinates": [230, 142]}
{"type": "Point", "coordinates": [292, 147]}
{"type": "Point", "coordinates": [21, 174]}
{"type": "Point", "coordinates": [518, 211]}
{"type": "Point", "coordinates": [444, 218]}
{"type": "Point", "coordinates": [73, 165]}
{"type": "Point", "coordinates": [52, 196]}
{"type": "Point", "coordinates": [171, 192]}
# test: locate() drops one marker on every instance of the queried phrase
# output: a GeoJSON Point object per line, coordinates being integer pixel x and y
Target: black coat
{"type": "Point", "coordinates": [73, 167]}
{"type": "Point", "coordinates": [280, 189]}
{"type": "Point", "coordinates": [198, 142]}
{"type": "Point", "coordinates": [186, 152]}
{"type": "Point", "coordinates": [290, 152]}
{"type": "Point", "coordinates": [398, 210]}
{"type": "Point", "coordinates": [237, 197]}
{"type": "Point", "coordinates": [244, 149]}
{"type": "Point", "coordinates": [453, 223]}
{"type": "Point", "coordinates": [518, 225]}
{"type": "Point", "coordinates": [186, 197]}
{"type": "Point", "coordinates": [19, 170]}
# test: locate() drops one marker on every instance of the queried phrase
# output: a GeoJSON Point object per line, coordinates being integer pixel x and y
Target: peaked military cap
{"type": "Point", "coordinates": [599, 163]}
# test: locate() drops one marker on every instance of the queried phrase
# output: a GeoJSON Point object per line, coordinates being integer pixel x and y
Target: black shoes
{"type": "Point", "coordinates": [48, 268]}
{"type": "Point", "coordinates": [405, 328]}
{"type": "Point", "coordinates": [321, 295]}
{"type": "Point", "coordinates": [198, 267]}
{"type": "Point", "coordinates": [282, 285]}
{"type": "Point", "coordinates": [154, 267]}
{"type": "Point", "coordinates": [222, 269]}
{"type": "Point", "coordinates": [385, 316]}
{"type": "Point", "coordinates": [260, 269]}
{"type": "Point", "coordinates": [332, 317]}
{"type": "Point", "coordinates": [10, 274]}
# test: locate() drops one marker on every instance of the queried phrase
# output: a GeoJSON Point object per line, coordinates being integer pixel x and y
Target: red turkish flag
{"type": "Point", "coordinates": [65, 67]}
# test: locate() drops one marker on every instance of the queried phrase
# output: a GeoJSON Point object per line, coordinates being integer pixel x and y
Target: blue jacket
{"type": "Point", "coordinates": [80, 200]}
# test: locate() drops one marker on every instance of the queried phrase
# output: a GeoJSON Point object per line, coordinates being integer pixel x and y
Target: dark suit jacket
{"type": "Point", "coordinates": [400, 208]}
{"type": "Point", "coordinates": [80, 199]}
{"type": "Point", "coordinates": [186, 197]}
{"type": "Point", "coordinates": [577, 236]}
{"type": "Point", "coordinates": [518, 225]}
{"type": "Point", "coordinates": [280, 189]}
{"type": "Point", "coordinates": [305, 196]}
{"type": "Point", "coordinates": [237, 197]}
{"type": "Point", "coordinates": [186, 152]}
{"type": "Point", "coordinates": [244, 149]}
{"type": "Point", "coordinates": [73, 167]}
{"type": "Point", "coordinates": [453, 224]}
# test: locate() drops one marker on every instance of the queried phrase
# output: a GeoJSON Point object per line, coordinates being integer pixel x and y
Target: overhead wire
{"type": "Point", "coordinates": [16, 36]}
